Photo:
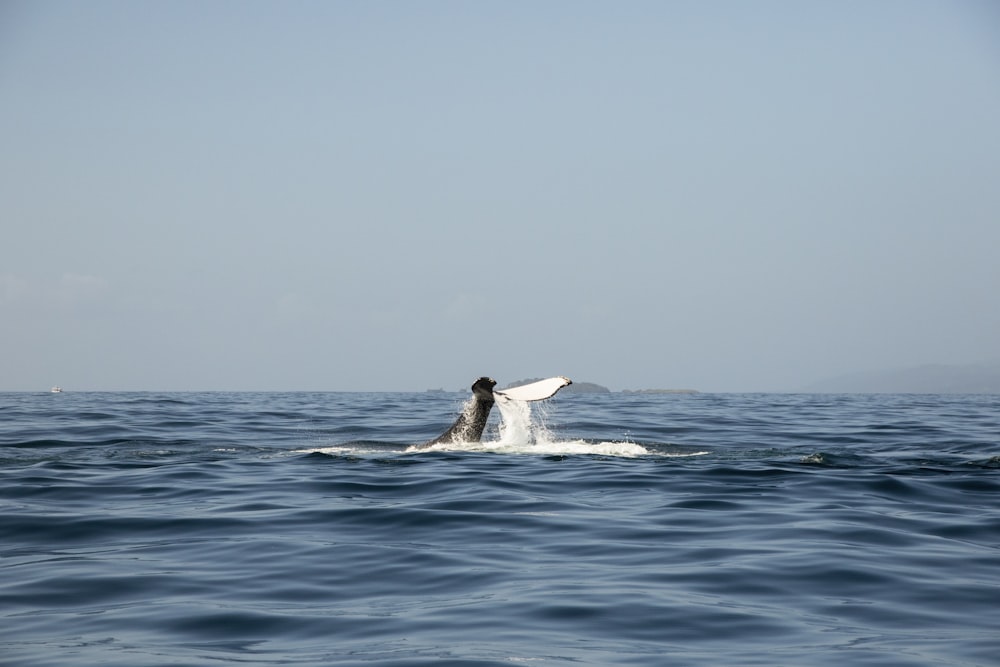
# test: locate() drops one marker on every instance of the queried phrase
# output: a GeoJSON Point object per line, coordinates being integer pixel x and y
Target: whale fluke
{"type": "Point", "coordinates": [536, 391]}
{"type": "Point", "coordinates": [470, 424]}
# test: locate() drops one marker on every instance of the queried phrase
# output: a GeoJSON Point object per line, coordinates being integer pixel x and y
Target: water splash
{"type": "Point", "coordinates": [516, 426]}
{"type": "Point", "coordinates": [520, 432]}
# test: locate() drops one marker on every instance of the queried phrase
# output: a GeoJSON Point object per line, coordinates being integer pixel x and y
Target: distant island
{"type": "Point", "coordinates": [594, 388]}
{"type": "Point", "coordinates": [927, 379]}
{"type": "Point", "coordinates": [660, 391]}
{"type": "Point", "coordinates": [585, 388]}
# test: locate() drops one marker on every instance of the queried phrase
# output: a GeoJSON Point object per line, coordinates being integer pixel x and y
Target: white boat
{"type": "Point", "coordinates": [56, 390]}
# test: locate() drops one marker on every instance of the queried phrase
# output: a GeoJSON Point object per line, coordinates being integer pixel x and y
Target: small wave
{"type": "Point", "coordinates": [356, 448]}
{"type": "Point", "coordinates": [622, 449]}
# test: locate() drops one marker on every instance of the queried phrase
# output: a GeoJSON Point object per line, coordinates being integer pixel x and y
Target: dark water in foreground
{"type": "Point", "coordinates": [295, 529]}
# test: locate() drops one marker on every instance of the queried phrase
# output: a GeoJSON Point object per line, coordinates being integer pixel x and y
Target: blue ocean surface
{"type": "Point", "coordinates": [615, 529]}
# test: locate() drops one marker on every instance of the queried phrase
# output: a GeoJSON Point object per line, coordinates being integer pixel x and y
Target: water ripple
{"type": "Point", "coordinates": [202, 529]}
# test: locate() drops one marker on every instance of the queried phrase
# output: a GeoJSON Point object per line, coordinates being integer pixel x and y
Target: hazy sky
{"type": "Point", "coordinates": [727, 196]}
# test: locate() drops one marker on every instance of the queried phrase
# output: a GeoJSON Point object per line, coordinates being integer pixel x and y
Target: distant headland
{"type": "Point", "coordinates": [594, 388]}
{"type": "Point", "coordinates": [660, 391]}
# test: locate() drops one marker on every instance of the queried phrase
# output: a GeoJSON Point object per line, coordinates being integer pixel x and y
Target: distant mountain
{"type": "Point", "coordinates": [660, 391]}
{"type": "Point", "coordinates": [586, 388]}
{"type": "Point", "coordinates": [929, 379]}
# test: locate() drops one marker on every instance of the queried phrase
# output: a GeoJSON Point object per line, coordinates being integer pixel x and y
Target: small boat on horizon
{"type": "Point", "coordinates": [56, 389]}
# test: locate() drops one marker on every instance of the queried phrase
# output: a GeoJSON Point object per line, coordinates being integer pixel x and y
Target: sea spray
{"type": "Point", "coordinates": [516, 427]}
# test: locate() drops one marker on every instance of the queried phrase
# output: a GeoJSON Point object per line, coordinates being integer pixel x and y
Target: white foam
{"type": "Point", "coordinates": [519, 432]}
{"type": "Point", "coordinates": [623, 449]}
{"type": "Point", "coordinates": [553, 448]}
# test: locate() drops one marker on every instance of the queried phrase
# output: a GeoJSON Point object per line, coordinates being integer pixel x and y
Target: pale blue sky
{"type": "Point", "coordinates": [729, 196]}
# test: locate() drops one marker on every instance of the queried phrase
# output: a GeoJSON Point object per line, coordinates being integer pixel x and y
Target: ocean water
{"type": "Point", "coordinates": [304, 529]}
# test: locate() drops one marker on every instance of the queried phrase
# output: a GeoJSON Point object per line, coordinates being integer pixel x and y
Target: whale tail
{"type": "Point", "coordinates": [470, 424]}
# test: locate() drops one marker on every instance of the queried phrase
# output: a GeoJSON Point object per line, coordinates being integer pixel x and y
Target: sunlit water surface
{"type": "Point", "coordinates": [305, 529]}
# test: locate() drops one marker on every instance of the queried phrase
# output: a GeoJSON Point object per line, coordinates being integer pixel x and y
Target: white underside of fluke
{"type": "Point", "coordinates": [536, 391]}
